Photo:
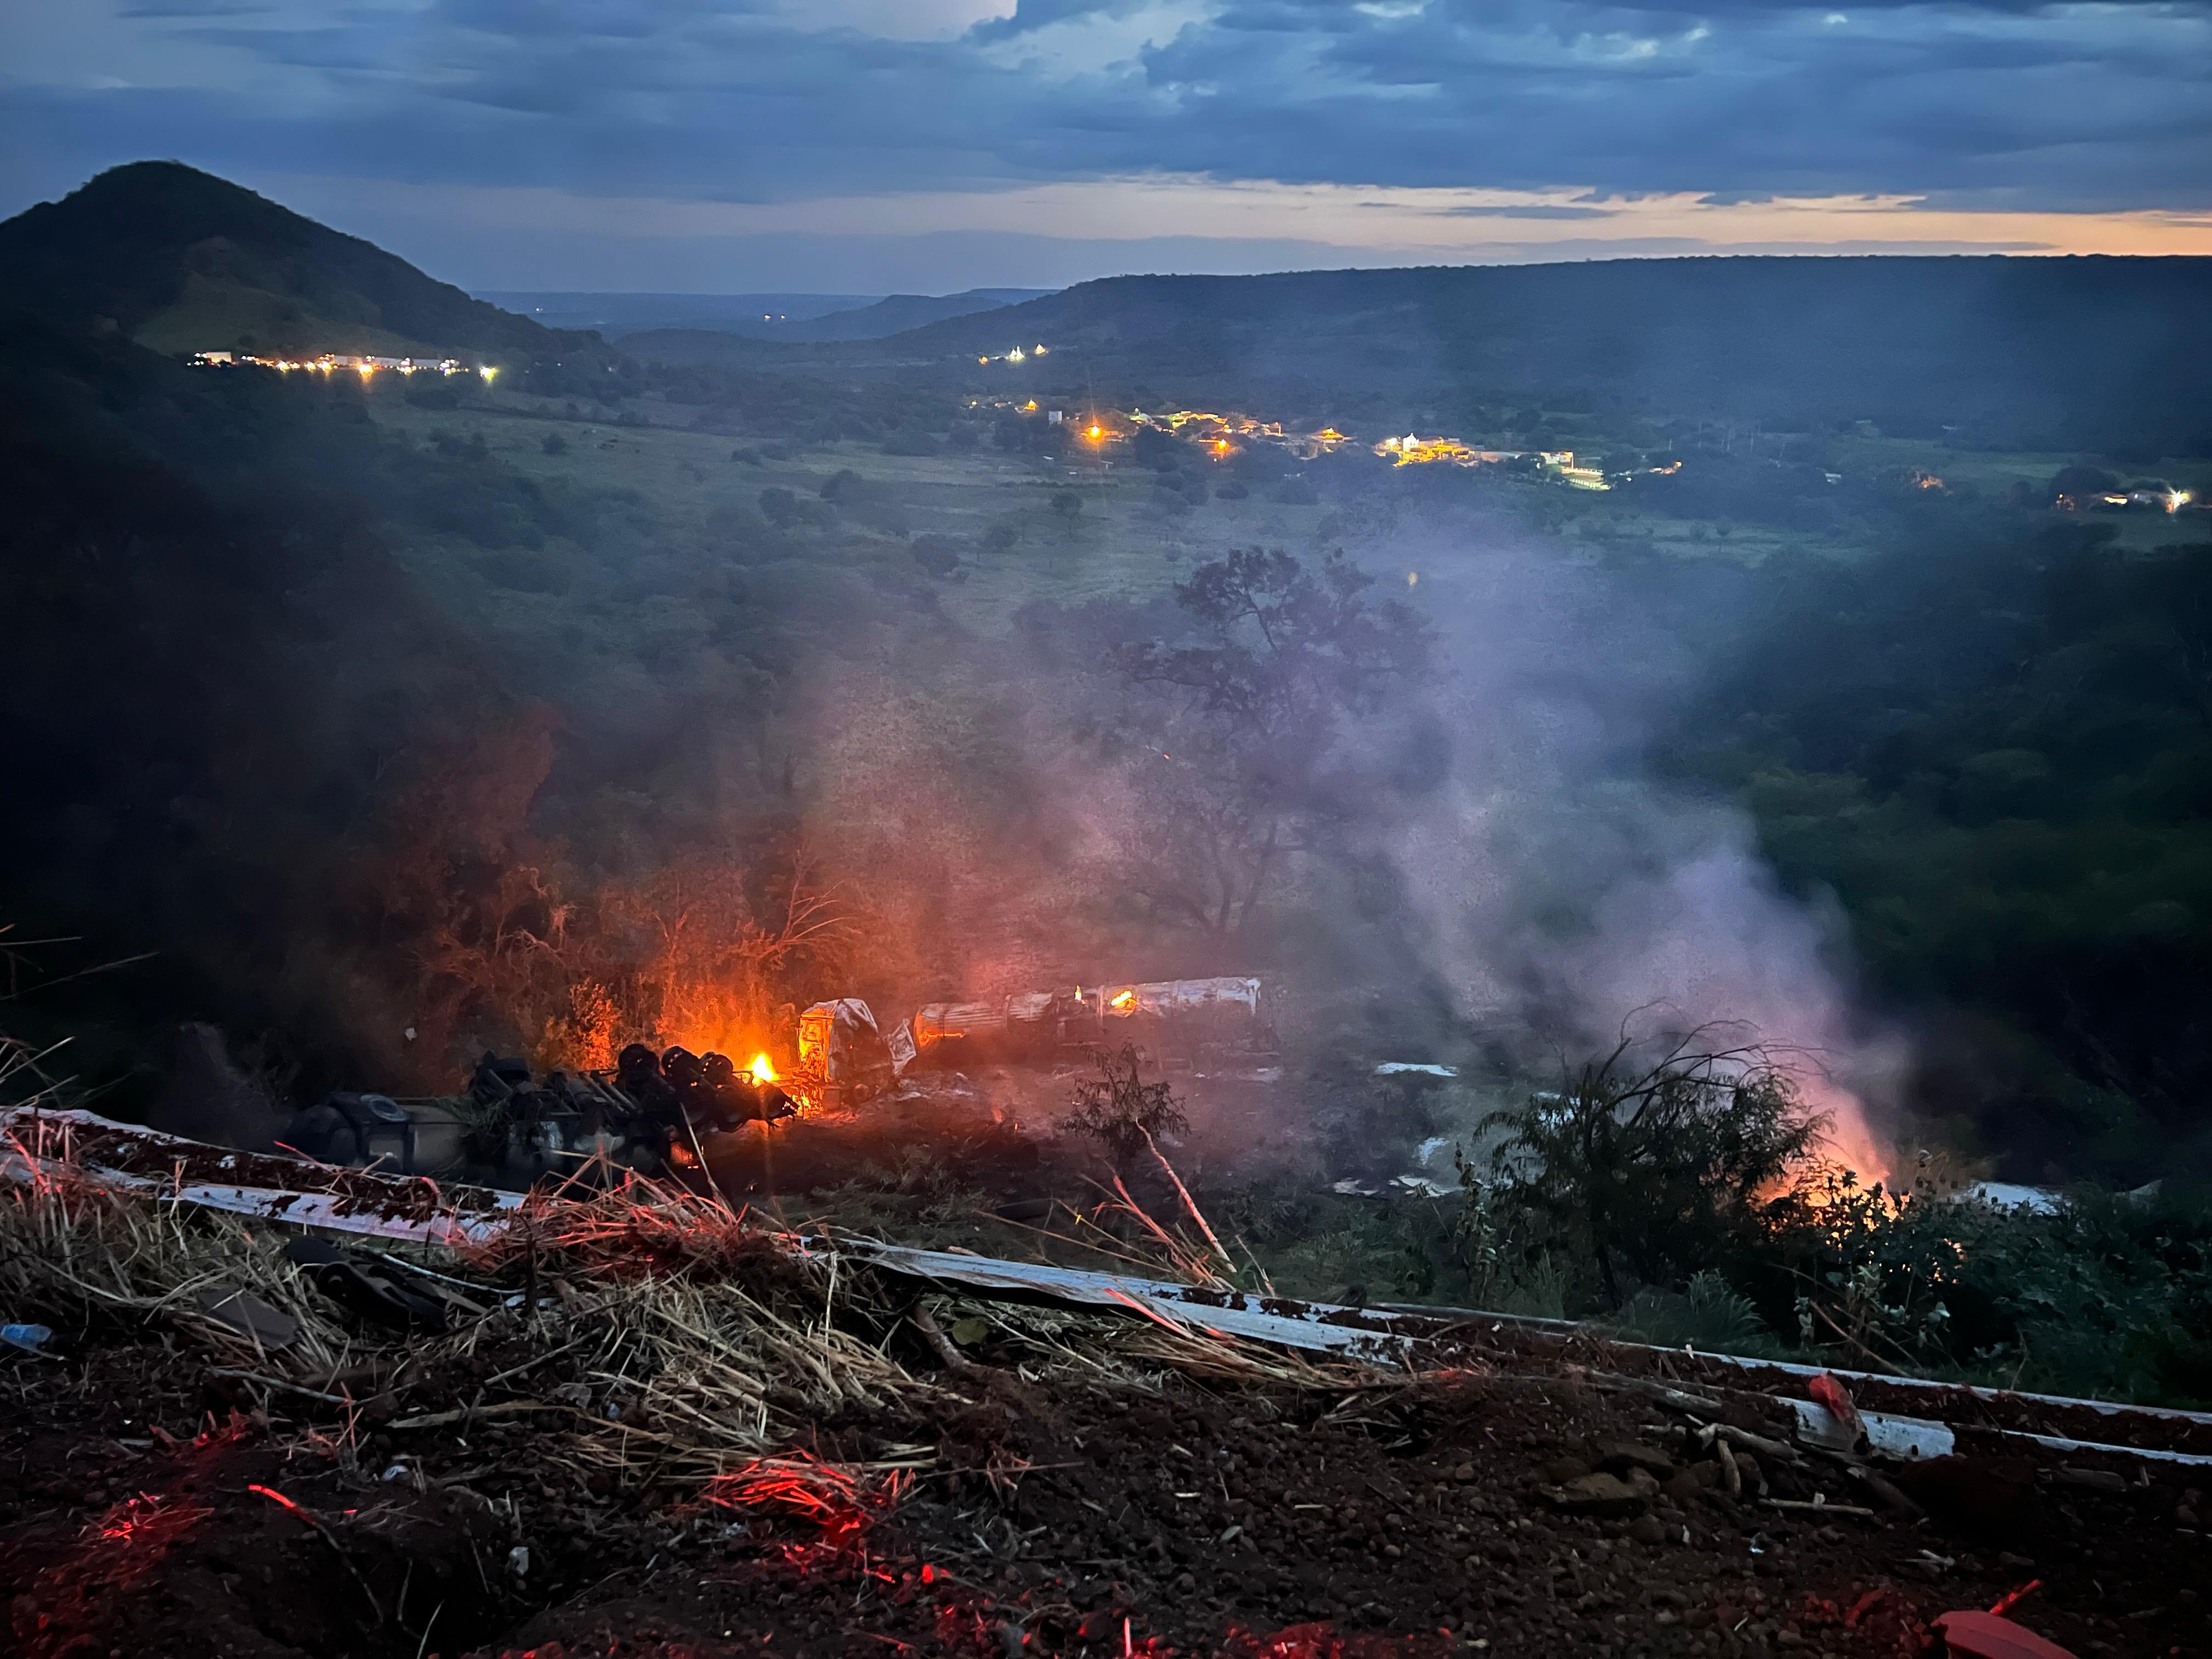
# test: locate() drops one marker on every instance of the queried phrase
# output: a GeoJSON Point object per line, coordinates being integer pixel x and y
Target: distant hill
{"type": "Point", "coordinates": [614, 315]}
{"type": "Point", "coordinates": [902, 312]}
{"type": "Point", "coordinates": [2063, 348]}
{"type": "Point", "coordinates": [179, 260]}
{"type": "Point", "coordinates": [799, 318]}
{"type": "Point", "coordinates": [743, 340]}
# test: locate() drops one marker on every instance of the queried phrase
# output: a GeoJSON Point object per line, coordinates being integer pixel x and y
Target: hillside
{"type": "Point", "coordinates": [756, 343]}
{"type": "Point", "coordinates": [902, 312]}
{"type": "Point", "coordinates": [178, 260]}
{"type": "Point", "coordinates": [712, 339]}
{"type": "Point", "coordinates": [2072, 350]}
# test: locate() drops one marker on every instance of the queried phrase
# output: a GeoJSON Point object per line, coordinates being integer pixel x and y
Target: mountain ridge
{"type": "Point", "coordinates": [2041, 343]}
{"type": "Point", "coordinates": [179, 260]}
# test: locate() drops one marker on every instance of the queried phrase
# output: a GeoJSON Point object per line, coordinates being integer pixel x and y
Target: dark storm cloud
{"type": "Point", "coordinates": [1995, 103]}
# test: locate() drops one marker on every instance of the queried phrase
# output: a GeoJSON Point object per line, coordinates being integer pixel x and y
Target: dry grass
{"type": "Point", "coordinates": [664, 1338]}
{"type": "Point", "coordinates": [77, 1255]}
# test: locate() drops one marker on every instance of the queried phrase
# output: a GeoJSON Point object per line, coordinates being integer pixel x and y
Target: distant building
{"type": "Point", "coordinates": [1052, 417]}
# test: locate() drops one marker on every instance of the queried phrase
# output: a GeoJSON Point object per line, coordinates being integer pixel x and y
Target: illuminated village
{"type": "Point", "coordinates": [331, 363]}
{"type": "Point", "coordinates": [1223, 435]}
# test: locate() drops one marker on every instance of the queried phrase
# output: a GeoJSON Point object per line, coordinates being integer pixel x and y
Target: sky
{"type": "Point", "coordinates": [877, 146]}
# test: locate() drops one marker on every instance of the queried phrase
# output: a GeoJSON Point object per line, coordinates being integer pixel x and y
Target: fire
{"type": "Point", "coordinates": [1124, 998]}
{"type": "Point", "coordinates": [762, 1068]}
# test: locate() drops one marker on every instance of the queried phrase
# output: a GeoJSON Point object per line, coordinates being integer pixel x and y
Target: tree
{"type": "Point", "coordinates": [1663, 1166]}
{"type": "Point", "coordinates": [1249, 766]}
{"type": "Point", "coordinates": [784, 509]}
{"type": "Point", "coordinates": [1122, 1112]}
{"type": "Point", "coordinates": [1067, 505]}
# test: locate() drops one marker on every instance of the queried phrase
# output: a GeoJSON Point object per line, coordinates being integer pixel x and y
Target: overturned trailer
{"type": "Point", "coordinates": [1177, 1015]}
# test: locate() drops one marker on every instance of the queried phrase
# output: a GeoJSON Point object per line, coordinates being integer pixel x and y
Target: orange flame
{"type": "Point", "coordinates": [763, 1069]}
{"type": "Point", "coordinates": [1122, 999]}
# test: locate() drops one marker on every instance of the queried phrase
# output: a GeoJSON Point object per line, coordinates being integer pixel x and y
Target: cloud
{"type": "Point", "coordinates": [1524, 210]}
{"type": "Point", "coordinates": [1977, 104]}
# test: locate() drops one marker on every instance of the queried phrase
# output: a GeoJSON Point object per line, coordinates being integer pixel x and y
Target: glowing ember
{"type": "Point", "coordinates": [843, 1499]}
{"type": "Point", "coordinates": [1125, 998]}
{"type": "Point", "coordinates": [763, 1069]}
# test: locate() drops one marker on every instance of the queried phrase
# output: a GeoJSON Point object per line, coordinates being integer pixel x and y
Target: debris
{"type": "Point", "coordinates": [842, 1053]}
{"type": "Point", "coordinates": [1906, 1439]}
{"type": "Point", "coordinates": [240, 1310]}
{"type": "Point", "coordinates": [1832, 1395]}
{"type": "Point", "coordinates": [365, 1287]}
{"type": "Point", "coordinates": [1745, 1440]}
{"type": "Point", "coordinates": [1731, 1474]}
{"type": "Point", "coordinates": [1991, 1636]}
{"type": "Point", "coordinates": [31, 1339]}
{"type": "Point", "coordinates": [1035, 1023]}
{"type": "Point", "coordinates": [2012, 1598]}
{"type": "Point", "coordinates": [939, 1344]}
{"type": "Point", "coordinates": [344, 1126]}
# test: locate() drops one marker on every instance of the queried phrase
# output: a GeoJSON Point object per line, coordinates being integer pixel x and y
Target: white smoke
{"type": "Point", "coordinates": [1568, 890]}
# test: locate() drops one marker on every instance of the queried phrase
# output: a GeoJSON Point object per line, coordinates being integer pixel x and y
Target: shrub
{"type": "Point", "coordinates": [786, 510]}
{"type": "Point", "coordinates": [935, 554]}
{"type": "Point", "coordinates": [1654, 1170]}
{"type": "Point", "coordinates": [554, 444]}
{"type": "Point", "coordinates": [1123, 1113]}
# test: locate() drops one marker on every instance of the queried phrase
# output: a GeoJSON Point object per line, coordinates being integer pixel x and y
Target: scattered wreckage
{"type": "Point", "coordinates": [654, 1111]}
{"type": "Point", "coordinates": [648, 1116]}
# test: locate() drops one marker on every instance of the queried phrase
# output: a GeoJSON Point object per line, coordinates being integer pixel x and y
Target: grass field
{"type": "Point", "coordinates": [1118, 543]}
{"type": "Point", "coordinates": [1122, 542]}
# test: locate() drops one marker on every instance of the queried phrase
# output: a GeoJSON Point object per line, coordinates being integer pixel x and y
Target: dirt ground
{"type": "Point", "coordinates": [151, 1505]}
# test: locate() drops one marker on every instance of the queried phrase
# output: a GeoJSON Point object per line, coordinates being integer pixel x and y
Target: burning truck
{"type": "Point", "coordinates": [656, 1112]}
